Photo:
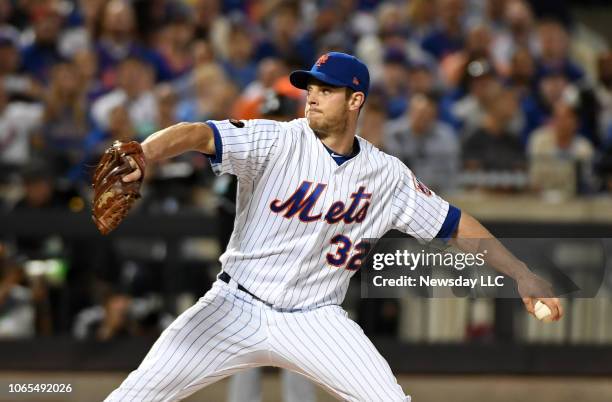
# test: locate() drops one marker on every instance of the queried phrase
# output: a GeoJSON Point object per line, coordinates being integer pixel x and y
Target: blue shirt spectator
{"type": "Point", "coordinates": [439, 43]}
{"type": "Point", "coordinates": [38, 57]}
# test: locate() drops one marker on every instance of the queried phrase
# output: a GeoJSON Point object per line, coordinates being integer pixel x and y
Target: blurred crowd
{"type": "Point", "coordinates": [508, 95]}
{"type": "Point", "coordinates": [501, 95]}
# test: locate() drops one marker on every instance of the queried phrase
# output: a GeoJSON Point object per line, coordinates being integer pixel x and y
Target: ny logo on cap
{"type": "Point", "coordinates": [322, 60]}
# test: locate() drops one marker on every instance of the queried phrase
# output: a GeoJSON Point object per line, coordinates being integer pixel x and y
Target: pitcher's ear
{"type": "Point", "coordinates": [357, 100]}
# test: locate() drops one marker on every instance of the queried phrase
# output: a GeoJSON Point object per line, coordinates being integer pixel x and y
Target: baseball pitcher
{"type": "Point", "coordinates": [309, 191]}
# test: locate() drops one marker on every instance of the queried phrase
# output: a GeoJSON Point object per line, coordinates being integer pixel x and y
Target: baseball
{"type": "Point", "coordinates": [542, 311]}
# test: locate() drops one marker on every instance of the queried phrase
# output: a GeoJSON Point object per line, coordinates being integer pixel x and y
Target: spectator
{"type": "Point", "coordinates": [173, 43]}
{"type": "Point", "coordinates": [268, 73]}
{"type": "Point", "coordinates": [371, 47]}
{"type": "Point", "coordinates": [86, 63]}
{"type": "Point", "coordinates": [41, 191]}
{"type": "Point", "coordinates": [553, 41]}
{"type": "Point", "coordinates": [18, 84]}
{"type": "Point", "coordinates": [422, 78]}
{"type": "Point", "coordinates": [82, 34]}
{"type": "Point", "coordinates": [213, 93]}
{"type": "Point", "coordinates": [111, 320]}
{"type": "Point", "coordinates": [395, 82]}
{"type": "Point", "coordinates": [38, 57]}
{"type": "Point", "coordinates": [40, 188]}
{"type": "Point", "coordinates": [117, 38]}
{"type": "Point", "coordinates": [466, 113]}
{"type": "Point", "coordinates": [428, 146]}
{"type": "Point", "coordinates": [201, 55]}
{"type": "Point", "coordinates": [239, 66]}
{"type": "Point", "coordinates": [166, 106]}
{"type": "Point", "coordinates": [284, 30]}
{"type": "Point", "coordinates": [373, 119]}
{"type": "Point", "coordinates": [421, 16]}
{"type": "Point", "coordinates": [16, 305]}
{"type": "Point", "coordinates": [65, 119]}
{"type": "Point", "coordinates": [392, 36]}
{"type": "Point", "coordinates": [327, 23]}
{"type": "Point", "coordinates": [115, 323]}
{"type": "Point", "coordinates": [558, 143]}
{"type": "Point", "coordinates": [518, 33]}
{"type": "Point", "coordinates": [211, 24]}
{"type": "Point", "coordinates": [470, 109]}
{"type": "Point", "coordinates": [521, 75]}
{"type": "Point", "coordinates": [494, 13]}
{"type": "Point", "coordinates": [135, 90]}
{"type": "Point", "coordinates": [118, 41]}
{"type": "Point", "coordinates": [447, 37]}
{"type": "Point", "coordinates": [392, 31]}
{"type": "Point", "coordinates": [492, 147]}
{"type": "Point", "coordinates": [18, 122]}
{"type": "Point", "coordinates": [478, 43]}
{"type": "Point", "coordinates": [120, 128]}
{"type": "Point", "coordinates": [538, 107]}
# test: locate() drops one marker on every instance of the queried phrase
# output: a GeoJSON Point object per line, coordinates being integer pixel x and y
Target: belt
{"type": "Point", "coordinates": [225, 277]}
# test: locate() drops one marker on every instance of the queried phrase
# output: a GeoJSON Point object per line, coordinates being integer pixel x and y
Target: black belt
{"type": "Point", "coordinates": [225, 277]}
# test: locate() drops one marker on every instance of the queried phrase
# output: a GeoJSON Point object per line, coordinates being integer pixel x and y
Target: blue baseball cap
{"type": "Point", "coordinates": [337, 69]}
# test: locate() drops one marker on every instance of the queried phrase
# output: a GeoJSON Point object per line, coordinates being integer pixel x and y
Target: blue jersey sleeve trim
{"type": "Point", "coordinates": [218, 156]}
{"type": "Point", "coordinates": [450, 223]}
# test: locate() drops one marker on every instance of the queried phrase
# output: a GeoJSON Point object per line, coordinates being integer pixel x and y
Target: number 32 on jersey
{"type": "Point", "coordinates": [346, 255]}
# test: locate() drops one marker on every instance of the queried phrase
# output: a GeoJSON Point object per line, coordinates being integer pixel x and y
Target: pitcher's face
{"type": "Point", "coordinates": [326, 107]}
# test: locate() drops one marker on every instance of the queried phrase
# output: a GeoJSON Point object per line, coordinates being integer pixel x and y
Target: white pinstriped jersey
{"type": "Point", "coordinates": [300, 216]}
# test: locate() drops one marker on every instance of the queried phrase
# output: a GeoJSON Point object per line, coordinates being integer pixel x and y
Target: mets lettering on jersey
{"type": "Point", "coordinates": [302, 202]}
{"type": "Point", "coordinates": [301, 216]}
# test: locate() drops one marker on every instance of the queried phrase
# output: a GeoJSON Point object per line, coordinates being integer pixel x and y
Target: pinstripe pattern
{"type": "Point", "coordinates": [283, 260]}
{"type": "Point", "coordinates": [330, 348]}
{"type": "Point", "coordinates": [228, 331]}
{"type": "Point", "coordinates": [221, 334]}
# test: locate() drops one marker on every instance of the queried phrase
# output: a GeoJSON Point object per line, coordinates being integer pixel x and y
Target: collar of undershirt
{"type": "Point", "coordinates": [340, 159]}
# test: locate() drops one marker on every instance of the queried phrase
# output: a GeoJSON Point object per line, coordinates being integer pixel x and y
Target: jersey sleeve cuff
{"type": "Point", "coordinates": [217, 158]}
{"type": "Point", "coordinates": [450, 223]}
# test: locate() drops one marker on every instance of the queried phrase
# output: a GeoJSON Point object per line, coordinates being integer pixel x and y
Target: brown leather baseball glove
{"type": "Point", "coordinates": [113, 198]}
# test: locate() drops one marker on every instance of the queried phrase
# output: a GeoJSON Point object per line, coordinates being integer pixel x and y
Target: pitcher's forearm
{"type": "Point", "coordinates": [472, 237]}
{"type": "Point", "coordinates": [178, 139]}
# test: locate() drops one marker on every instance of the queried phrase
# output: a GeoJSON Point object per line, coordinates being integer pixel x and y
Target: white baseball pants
{"type": "Point", "coordinates": [228, 331]}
